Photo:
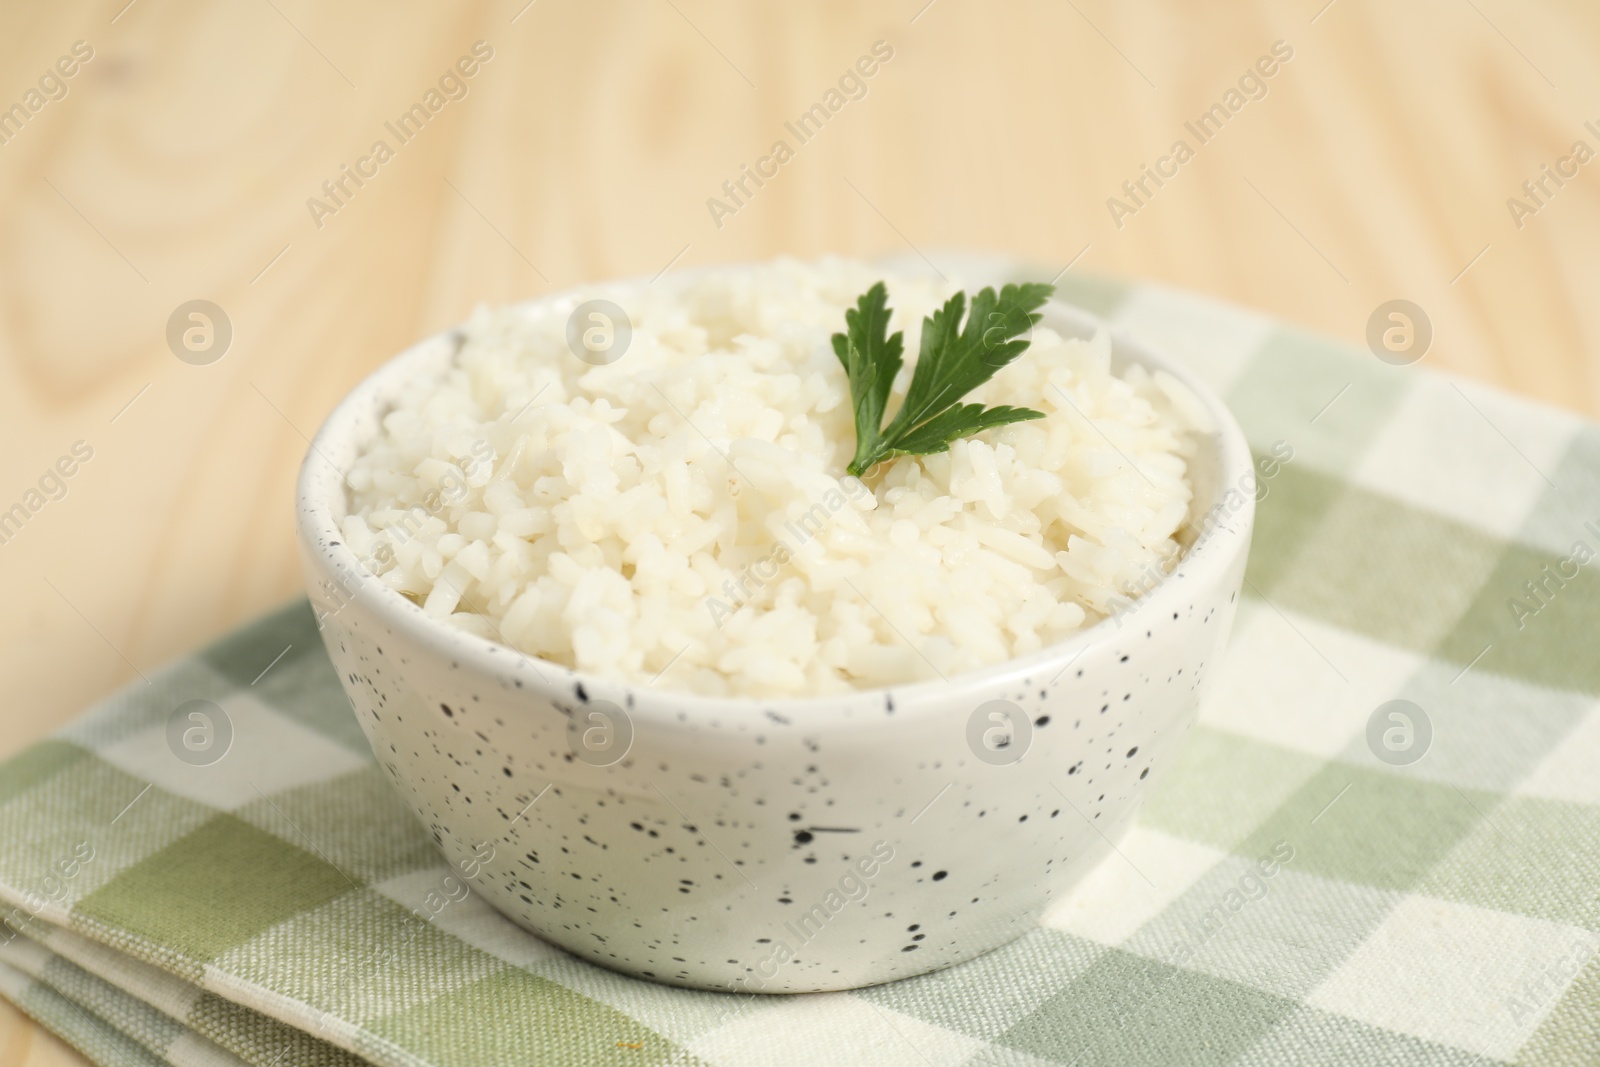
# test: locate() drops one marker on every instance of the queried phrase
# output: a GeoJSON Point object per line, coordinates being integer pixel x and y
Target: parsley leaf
{"type": "Point", "coordinates": [871, 359]}
{"type": "Point", "coordinates": [953, 361]}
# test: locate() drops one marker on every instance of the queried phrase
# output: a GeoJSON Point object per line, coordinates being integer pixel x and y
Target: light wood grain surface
{"type": "Point", "coordinates": [179, 162]}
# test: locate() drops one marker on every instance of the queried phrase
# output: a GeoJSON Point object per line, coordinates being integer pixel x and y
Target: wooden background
{"type": "Point", "coordinates": [179, 163]}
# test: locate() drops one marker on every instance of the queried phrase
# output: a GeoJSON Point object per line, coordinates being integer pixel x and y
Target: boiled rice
{"type": "Point", "coordinates": [682, 517]}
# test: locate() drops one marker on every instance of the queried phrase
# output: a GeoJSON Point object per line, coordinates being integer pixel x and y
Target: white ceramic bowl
{"type": "Point", "coordinates": [775, 845]}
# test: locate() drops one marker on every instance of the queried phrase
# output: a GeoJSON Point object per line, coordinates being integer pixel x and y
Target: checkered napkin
{"type": "Point", "coordinates": [1326, 876]}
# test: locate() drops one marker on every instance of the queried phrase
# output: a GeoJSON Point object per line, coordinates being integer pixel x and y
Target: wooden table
{"type": "Point", "coordinates": [1375, 162]}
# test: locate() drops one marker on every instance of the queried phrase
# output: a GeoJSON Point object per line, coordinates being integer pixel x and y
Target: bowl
{"type": "Point", "coordinates": [776, 846]}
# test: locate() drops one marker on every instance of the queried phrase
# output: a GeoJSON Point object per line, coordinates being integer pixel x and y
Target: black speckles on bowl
{"type": "Point", "coordinates": [772, 846]}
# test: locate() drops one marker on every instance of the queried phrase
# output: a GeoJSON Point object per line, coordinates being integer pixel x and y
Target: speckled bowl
{"type": "Point", "coordinates": [775, 845]}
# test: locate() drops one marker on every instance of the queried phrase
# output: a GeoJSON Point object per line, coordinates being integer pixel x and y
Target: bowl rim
{"type": "Point", "coordinates": [1208, 559]}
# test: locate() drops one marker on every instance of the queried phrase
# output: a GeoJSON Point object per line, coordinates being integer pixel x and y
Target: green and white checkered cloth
{"type": "Point", "coordinates": [281, 909]}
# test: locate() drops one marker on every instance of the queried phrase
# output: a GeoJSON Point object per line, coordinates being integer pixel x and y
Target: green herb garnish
{"type": "Point", "coordinates": [953, 362]}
